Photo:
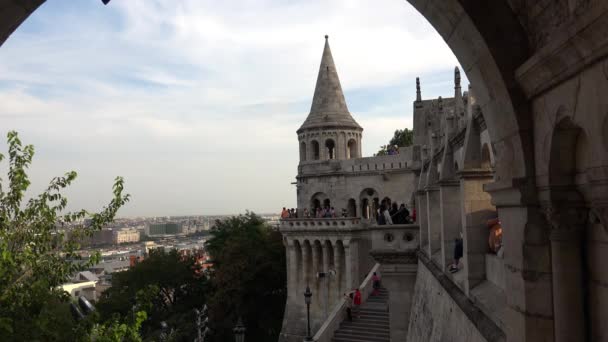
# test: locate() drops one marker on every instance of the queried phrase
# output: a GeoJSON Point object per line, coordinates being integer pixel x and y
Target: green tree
{"type": "Point", "coordinates": [401, 137]}
{"type": "Point", "coordinates": [38, 244]}
{"type": "Point", "coordinates": [167, 285]}
{"type": "Point", "coordinates": [248, 277]}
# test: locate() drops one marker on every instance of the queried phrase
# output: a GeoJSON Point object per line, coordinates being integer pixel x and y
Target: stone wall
{"type": "Point", "coordinates": [442, 312]}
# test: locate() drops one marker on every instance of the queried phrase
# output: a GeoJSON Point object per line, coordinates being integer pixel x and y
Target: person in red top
{"type": "Point", "coordinates": [284, 213]}
{"type": "Point", "coordinates": [357, 303]}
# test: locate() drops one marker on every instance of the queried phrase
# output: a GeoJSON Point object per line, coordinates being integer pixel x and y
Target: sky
{"type": "Point", "coordinates": [196, 103]}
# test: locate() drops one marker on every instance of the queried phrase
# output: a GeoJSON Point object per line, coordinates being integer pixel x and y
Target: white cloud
{"type": "Point", "coordinates": [196, 102]}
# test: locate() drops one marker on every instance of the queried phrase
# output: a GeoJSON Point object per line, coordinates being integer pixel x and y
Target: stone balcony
{"type": "Point", "coordinates": [342, 224]}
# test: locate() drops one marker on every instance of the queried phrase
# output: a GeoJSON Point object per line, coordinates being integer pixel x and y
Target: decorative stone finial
{"type": "Point", "coordinates": [457, 77]}
{"type": "Point", "coordinates": [440, 102]}
{"type": "Point", "coordinates": [326, 37]}
{"type": "Point", "coordinates": [418, 94]}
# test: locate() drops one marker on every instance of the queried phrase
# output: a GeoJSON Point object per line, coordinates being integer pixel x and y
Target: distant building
{"type": "Point", "coordinates": [83, 284]}
{"type": "Point", "coordinates": [126, 236]}
{"type": "Point", "coordinates": [163, 229]}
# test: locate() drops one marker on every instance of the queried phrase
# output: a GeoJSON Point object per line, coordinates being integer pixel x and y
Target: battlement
{"type": "Point", "coordinates": [406, 160]}
{"type": "Point", "coordinates": [324, 224]}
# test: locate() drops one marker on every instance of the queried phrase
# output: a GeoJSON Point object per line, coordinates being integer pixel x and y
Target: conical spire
{"type": "Point", "coordinates": [328, 104]}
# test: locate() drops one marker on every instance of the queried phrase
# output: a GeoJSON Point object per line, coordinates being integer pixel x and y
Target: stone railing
{"type": "Point", "coordinates": [338, 313]}
{"type": "Point", "coordinates": [313, 224]}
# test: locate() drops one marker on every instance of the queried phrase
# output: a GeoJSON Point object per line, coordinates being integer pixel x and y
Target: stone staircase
{"type": "Point", "coordinates": [372, 326]}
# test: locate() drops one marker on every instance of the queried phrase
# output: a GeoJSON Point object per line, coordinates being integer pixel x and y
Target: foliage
{"type": "Point", "coordinates": [117, 331]}
{"type": "Point", "coordinates": [248, 277]}
{"type": "Point", "coordinates": [167, 285]}
{"type": "Point", "coordinates": [38, 244]}
{"type": "Point", "coordinates": [401, 137]}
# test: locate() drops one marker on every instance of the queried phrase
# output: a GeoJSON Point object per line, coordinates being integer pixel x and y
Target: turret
{"type": "Point", "coordinates": [329, 131]}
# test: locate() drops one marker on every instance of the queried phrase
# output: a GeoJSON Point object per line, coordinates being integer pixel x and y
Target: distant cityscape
{"type": "Point", "coordinates": [128, 241]}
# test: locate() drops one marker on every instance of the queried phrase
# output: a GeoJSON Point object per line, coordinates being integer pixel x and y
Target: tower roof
{"type": "Point", "coordinates": [328, 104]}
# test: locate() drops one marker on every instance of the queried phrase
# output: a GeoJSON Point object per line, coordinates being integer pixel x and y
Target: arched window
{"type": "Point", "coordinates": [330, 147]}
{"type": "Point", "coordinates": [351, 149]}
{"type": "Point", "coordinates": [315, 150]}
{"type": "Point", "coordinates": [352, 208]}
{"type": "Point", "coordinates": [303, 151]}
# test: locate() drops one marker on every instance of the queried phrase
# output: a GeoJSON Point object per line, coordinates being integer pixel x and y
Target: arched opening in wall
{"type": "Point", "coordinates": [375, 207]}
{"type": "Point", "coordinates": [330, 149]}
{"type": "Point", "coordinates": [315, 150]}
{"type": "Point", "coordinates": [352, 208]}
{"type": "Point", "coordinates": [317, 202]}
{"type": "Point", "coordinates": [577, 294]}
{"type": "Point", "coordinates": [486, 160]}
{"type": "Point", "coordinates": [302, 151]}
{"type": "Point", "coordinates": [340, 264]}
{"type": "Point", "coordinates": [326, 203]}
{"type": "Point", "coordinates": [365, 208]}
{"type": "Point", "coordinates": [366, 198]}
{"type": "Point", "coordinates": [351, 149]}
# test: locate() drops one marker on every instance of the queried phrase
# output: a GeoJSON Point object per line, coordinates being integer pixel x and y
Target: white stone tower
{"type": "Point", "coordinates": [329, 131]}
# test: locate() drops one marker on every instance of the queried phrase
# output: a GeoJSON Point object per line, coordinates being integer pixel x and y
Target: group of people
{"type": "Point", "coordinates": [353, 298]}
{"type": "Point", "coordinates": [325, 212]}
{"type": "Point", "coordinates": [392, 213]}
{"type": "Point", "coordinates": [289, 213]}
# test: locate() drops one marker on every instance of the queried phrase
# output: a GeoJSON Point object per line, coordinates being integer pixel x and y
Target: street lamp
{"type": "Point", "coordinates": [239, 331]}
{"type": "Point", "coordinates": [307, 299]}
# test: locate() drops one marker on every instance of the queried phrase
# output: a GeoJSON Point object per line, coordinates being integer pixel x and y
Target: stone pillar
{"type": "Point", "coordinates": [398, 275]}
{"type": "Point", "coordinates": [449, 195]}
{"type": "Point", "coordinates": [338, 255]}
{"type": "Point", "coordinates": [476, 209]}
{"type": "Point", "coordinates": [349, 265]}
{"type": "Point", "coordinates": [327, 292]}
{"type": "Point", "coordinates": [434, 223]}
{"type": "Point", "coordinates": [316, 285]}
{"type": "Point", "coordinates": [527, 259]}
{"type": "Point", "coordinates": [305, 264]}
{"type": "Point", "coordinates": [422, 220]}
{"type": "Point", "coordinates": [567, 265]}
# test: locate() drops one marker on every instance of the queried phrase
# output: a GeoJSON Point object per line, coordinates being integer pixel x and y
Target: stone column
{"type": "Point", "coordinates": [527, 259]}
{"type": "Point", "coordinates": [567, 265]}
{"type": "Point", "coordinates": [316, 285]}
{"type": "Point", "coordinates": [449, 195]}
{"type": "Point", "coordinates": [476, 209]}
{"type": "Point", "coordinates": [338, 255]}
{"type": "Point", "coordinates": [305, 264]}
{"type": "Point", "coordinates": [434, 223]}
{"type": "Point", "coordinates": [422, 220]}
{"type": "Point", "coordinates": [348, 258]}
{"type": "Point", "coordinates": [398, 275]}
{"type": "Point", "coordinates": [326, 291]}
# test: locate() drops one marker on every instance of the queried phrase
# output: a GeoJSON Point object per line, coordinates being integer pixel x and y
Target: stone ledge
{"type": "Point", "coordinates": [484, 324]}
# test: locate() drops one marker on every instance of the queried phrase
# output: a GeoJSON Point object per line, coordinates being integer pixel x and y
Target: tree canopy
{"type": "Point", "coordinates": [38, 244]}
{"type": "Point", "coordinates": [248, 277]}
{"type": "Point", "coordinates": [401, 138]}
{"type": "Point", "coordinates": [168, 285]}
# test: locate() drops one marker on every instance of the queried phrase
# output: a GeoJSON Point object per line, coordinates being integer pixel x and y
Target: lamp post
{"type": "Point", "coordinates": [307, 299]}
{"type": "Point", "coordinates": [239, 331]}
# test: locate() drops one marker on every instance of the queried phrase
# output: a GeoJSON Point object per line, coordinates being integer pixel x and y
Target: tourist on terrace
{"type": "Point", "coordinates": [386, 214]}
{"type": "Point", "coordinates": [458, 251]}
{"type": "Point", "coordinates": [306, 213]}
{"type": "Point", "coordinates": [357, 303]}
{"type": "Point", "coordinates": [319, 213]}
{"type": "Point", "coordinates": [284, 213]}
{"type": "Point", "coordinates": [344, 213]}
{"type": "Point", "coordinates": [332, 212]}
{"type": "Point", "coordinates": [348, 298]}
{"type": "Point", "coordinates": [375, 283]}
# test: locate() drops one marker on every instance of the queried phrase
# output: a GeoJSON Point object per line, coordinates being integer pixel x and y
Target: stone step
{"type": "Point", "coordinates": [373, 328]}
{"type": "Point", "coordinates": [360, 339]}
{"type": "Point", "coordinates": [371, 325]}
{"type": "Point", "coordinates": [362, 333]}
